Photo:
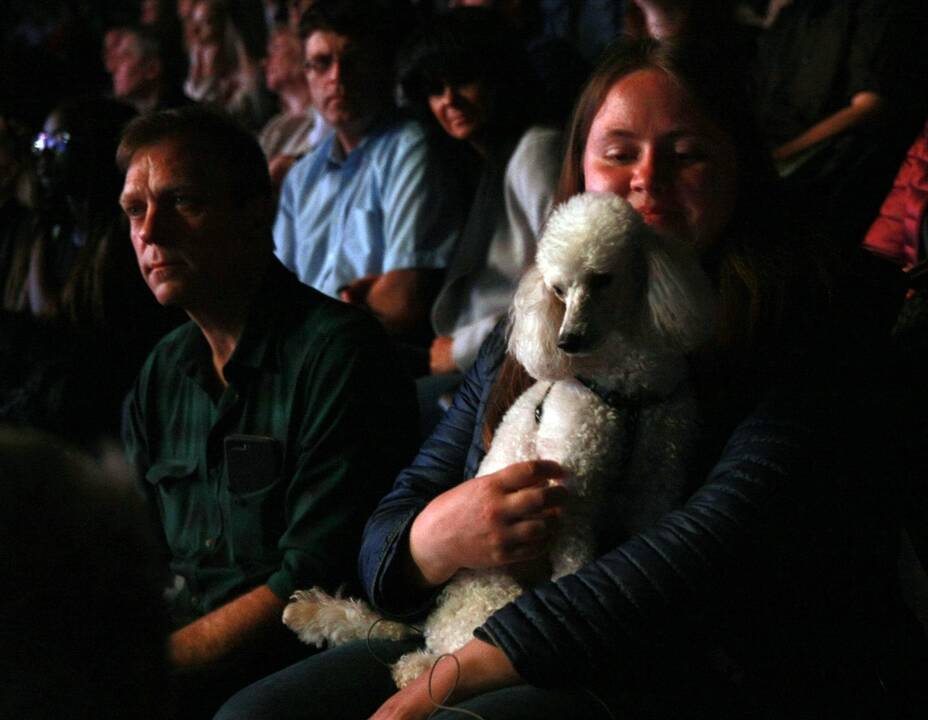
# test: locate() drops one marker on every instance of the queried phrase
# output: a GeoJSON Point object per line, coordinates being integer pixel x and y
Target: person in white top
{"type": "Point", "coordinates": [296, 129]}
{"type": "Point", "coordinates": [222, 73]}
{"type": "Point", "coordinates": [468, 72]}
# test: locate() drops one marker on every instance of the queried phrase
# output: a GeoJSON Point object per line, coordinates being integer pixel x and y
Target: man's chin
{"type": "Point", "coordinates": [168, 295]}
{"type": "Point", "coordinates": [337, 113]}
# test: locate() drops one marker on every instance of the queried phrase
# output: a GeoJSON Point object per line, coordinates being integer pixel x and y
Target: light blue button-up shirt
{"type": "Point", "coordinates": [388, 205]}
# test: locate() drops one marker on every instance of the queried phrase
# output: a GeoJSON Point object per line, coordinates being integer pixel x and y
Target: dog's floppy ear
{"type": "Point", "coordinates": [535, 319]}
{"type": "Point", "coordinates": [681, 303]}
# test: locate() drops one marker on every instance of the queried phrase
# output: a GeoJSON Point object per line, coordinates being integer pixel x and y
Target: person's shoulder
{"type": "Point", "coordinates": [176, 344]}
{"type": "Point", "coordinates": [398, 133]}
{"type": "Point", "coordinates": [309, 165]}
{"type": "Point", "coordinates": [318, 320]}
{"type": "Point", "coordinates": [169, 354]}
{"type": "Point", "coordinates": [540, 135]}
{"type": "Point", "coordinates": [539, 143]}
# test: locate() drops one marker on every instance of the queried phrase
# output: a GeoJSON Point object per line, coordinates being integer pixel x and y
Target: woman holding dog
{"type": "Point", "coordinates": [769, 593]}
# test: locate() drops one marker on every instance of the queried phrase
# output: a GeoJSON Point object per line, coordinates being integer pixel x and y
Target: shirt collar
{"type": "Point", "coordinates": [254, 349]}
{"type": "Point", "coordinates": [336, 156]}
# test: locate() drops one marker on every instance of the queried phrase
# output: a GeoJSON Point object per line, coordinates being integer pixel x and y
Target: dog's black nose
{"type": "Point", "coordinates": [570, 342]}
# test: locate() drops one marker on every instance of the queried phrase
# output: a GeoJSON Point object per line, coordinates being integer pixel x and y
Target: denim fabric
{"type": "Point", "coordinates": [351, 681]}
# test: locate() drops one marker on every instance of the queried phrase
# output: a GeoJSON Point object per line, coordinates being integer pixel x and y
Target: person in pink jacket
{"type": "Point", "coordinates": [898, 231]}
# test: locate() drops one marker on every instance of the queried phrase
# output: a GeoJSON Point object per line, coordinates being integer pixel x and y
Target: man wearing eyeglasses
{"type": "Point", "coordinates": [372, 215]}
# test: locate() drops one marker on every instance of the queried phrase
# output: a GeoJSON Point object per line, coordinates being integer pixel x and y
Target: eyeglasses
{"type": "Point", "coordinates": [54, 142]}
{"type": "Point", "coordinates": [352, 59]}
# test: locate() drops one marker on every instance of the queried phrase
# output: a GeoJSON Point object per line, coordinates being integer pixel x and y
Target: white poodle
{"type": "Point", "coordinates": [603, 323]}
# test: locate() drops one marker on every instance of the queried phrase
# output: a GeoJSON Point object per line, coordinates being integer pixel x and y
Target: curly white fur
{"type": "Point", "coordinates": [612, 302]}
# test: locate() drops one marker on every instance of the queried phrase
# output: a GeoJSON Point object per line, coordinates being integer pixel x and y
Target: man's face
{"type": "Point", "coordinates": [284, 61]}
{"type": "Point", "coordinates": [190, 239]}
{"type": "Point", "coordinates": [205, 22]}
{"type": "Point", "coordinates": [133, 75]}
{"type": "Point", "coordinates": [343, 78]}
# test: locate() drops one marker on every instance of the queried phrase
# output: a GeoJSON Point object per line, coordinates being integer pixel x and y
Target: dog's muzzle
{"type": "Point", "coordinates": [571, 343]}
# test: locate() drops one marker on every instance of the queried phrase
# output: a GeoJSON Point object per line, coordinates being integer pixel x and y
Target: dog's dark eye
{"type": "Point", "coordinates": [600, 280]}
{"type": "Point", "coordinates": [558, 291]}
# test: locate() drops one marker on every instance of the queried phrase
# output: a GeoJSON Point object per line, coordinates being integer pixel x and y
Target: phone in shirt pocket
{"type": "Point", "coordinates": [253, 462]}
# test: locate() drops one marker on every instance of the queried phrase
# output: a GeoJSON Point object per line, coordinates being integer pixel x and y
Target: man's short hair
{"type": "Point", "coordinates": [363, 21]}
{"type": "Point", "coordinates": [228, 150]}
{"type": "Point", "coordinates": [146, 40]}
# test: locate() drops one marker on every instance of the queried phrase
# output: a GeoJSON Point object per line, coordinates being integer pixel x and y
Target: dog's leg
{"type": "Point", "coordinates": [318, 618]}
{"type": "Point", "coordinates": [412, 665]}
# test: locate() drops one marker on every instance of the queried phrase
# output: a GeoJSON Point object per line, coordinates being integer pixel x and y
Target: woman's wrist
{"type": "Point", "coordinates": [427, 566]}
{"type": "Point", "coordinates": [480, 667]}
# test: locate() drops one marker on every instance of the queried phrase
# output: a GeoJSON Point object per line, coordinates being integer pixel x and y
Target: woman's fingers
{"type": "Point", "coordinates": [480, 522]}
{"type": "Point", "coordinates": [525, 474]}
{"type": "Point", "coordinates": [541, 500]}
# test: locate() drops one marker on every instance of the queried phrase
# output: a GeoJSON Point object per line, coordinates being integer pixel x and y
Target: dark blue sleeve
{"type": "Point", "coordinates": [444, 460]}
{"type": "Point", "coordinates": [626, 598]}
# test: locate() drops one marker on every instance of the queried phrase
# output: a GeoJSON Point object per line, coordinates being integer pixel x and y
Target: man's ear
{"type": "Point", "coordinates": [259, 213]}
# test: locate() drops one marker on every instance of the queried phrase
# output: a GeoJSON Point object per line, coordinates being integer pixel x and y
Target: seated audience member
{"type": "Point", "coordinates": [15, 190]}
{"type": "Point", "coordinates": [770, 591]}
{"type": "Point", "coordinates": [74, 277]}
{"type": "Point", "coordinates": [296, 129]}
{"type": "Point", "coordinates": [900, 232]}
{"type": "Point", "coordinates": [82, 621]}
{"type": "Point", "coordinates": [560, 42]}
{"type": "Point", "coordinates": [223, 73]}
{"type": "Point", "coordinates": [184, 10]}
{"type": "Point", "coordinates": [663, 19]}
{"type": "Point", "coordinates": [587, 26]}
{"type": "Point", "coordinates": [161, 18]}
{"type": "Point", "coordinates": [140, 74]}
{"type": "Point", "coordinates": [267, 427]}
{"type": "Point", "coordinates": [467, 71]}
{"type": "Point", "coordinates": [837, 106]}
{"type": "Point", "coordinates": [715, 21]}
{"type": "Point", "coordinates": [371, 215]}
{"type": "Point", "coordinates": [295, 11]}
{"type": "Point", "coordinates": [111, 40]}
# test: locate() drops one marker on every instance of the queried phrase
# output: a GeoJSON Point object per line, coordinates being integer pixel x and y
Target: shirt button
{"type": "Point", "coordinates": [210, 542]}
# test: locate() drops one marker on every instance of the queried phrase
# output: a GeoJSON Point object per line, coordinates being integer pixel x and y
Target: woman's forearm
{"type": "Point", "coordinates": [476, 668]}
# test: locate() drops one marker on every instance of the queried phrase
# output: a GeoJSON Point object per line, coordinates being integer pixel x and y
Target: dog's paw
{"type": "Point", "coordinates": [318, 618]}
{"type": "Point", "coordinates": [410, 666]}
{"type": "Point", "coordinates": [302, 616]}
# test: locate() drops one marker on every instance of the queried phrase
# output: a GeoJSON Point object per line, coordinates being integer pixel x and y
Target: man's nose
{"type": "Point", "coordinates": [150, 229]}
{"type": "Point", "coordinates": [335, 71]}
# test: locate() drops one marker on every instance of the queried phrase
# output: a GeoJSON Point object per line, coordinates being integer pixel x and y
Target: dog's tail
{"type": "Point", "coordinates": [318, 619]}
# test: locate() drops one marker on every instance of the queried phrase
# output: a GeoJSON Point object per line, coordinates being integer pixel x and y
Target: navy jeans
{"type": "Point", "coordinates": [349, 683]}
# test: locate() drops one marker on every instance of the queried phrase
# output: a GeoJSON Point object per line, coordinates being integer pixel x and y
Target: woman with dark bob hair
{"type": "Point", "coordinates": [466, 72]}
{"type": "Point", "coordinates": [771, 591]}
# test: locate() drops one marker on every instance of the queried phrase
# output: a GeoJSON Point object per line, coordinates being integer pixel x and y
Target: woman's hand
{"type": "Point", "coordinates": [480, 667]}
{"type": "Point", "coordinates": [498, 519]}
{"type": "Point", "coordinates": [441, 358]}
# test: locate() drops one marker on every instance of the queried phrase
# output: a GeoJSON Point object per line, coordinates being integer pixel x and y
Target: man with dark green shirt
{"type": "Point", "coordinates": [267, 427]}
